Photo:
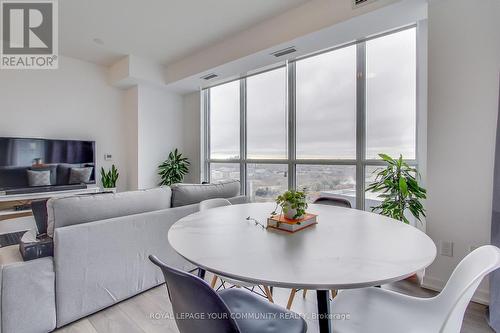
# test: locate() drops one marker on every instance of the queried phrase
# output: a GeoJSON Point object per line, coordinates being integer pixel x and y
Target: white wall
{"type": "Point", "coordinates": [464, 65]}
{"type": "Point", "coordinates": [192, 132]}
{"type": "Point", "coordinates": [72, 102]}
{"type": "Point", "coordinates": [160, 130]}
{"type": "Point", "coordinates": [131, 108]}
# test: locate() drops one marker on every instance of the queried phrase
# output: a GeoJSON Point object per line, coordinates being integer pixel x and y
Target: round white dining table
{"type": "Point", "coordinates": [346, 249]}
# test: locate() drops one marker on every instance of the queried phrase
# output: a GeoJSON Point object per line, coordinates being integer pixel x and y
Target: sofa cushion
{"type": "Point", "coordinates": [186, 194]}
{"type": "Point", "coordinates": [72, 210]}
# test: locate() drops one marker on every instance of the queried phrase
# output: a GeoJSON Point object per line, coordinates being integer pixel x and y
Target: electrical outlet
{"type": "Point", "coordinates": [473, 247]}
{"type": "Point", "coordinates": [447, 248]}
{"type": "Point", "coordinates": [108, 157]}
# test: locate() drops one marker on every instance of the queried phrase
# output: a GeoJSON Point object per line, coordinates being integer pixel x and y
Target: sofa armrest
{"type": "Point", "coordinates": [27, 294]}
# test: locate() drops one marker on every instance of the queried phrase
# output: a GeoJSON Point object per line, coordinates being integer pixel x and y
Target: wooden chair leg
{"type": "Point", "coordinates": [214, 281]}
{"type": "Point", "coordinates": [334, 293]}
{"type": "Point", "coordinates": [304, 293]}
{"type": "Point", "coordinates": [290, 299]}
{"type": "Point", "coordinates": [268, 294]}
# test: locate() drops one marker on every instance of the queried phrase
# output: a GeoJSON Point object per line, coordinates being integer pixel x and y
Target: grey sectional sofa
{"type": "Point", "coordinates": [101, 246]}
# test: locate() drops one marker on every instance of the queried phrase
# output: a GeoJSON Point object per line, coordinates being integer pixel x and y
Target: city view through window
{"type": "Point", "coordinates": [325, 160]}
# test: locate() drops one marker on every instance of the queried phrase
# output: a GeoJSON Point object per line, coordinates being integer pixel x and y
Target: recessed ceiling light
{"type": "Point", "coordinates": [98, 41]}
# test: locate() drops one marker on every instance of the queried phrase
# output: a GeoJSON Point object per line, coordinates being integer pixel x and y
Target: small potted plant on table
{"type": "Point", "coordinates": [293, 204]}
{"type": "Point", "coordinates": [292, 216]}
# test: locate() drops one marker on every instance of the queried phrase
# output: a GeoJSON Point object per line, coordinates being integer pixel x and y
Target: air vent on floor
{"type": "Point", "coordinates": [357, 3]}
{"type": "Point", "coordinates": [283, 52]}
{"type": "Point", "coordinates": [209, 76]}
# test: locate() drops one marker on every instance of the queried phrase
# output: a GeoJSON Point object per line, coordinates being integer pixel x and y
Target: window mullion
{"type": "Point", "coordinates": [360, 124]}
{"type": "Point", "coordinates": [292, 126]}
{"type": "Point", "coordinates": [206, 135]}
{"type": "Point", "coordinates": [243, 136]}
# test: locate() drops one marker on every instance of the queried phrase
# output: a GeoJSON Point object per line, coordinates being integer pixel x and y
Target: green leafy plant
{"type": "Point", "coordinates": [291, 201]}
{"type": "Point", "coordinates": [173, 169]}
{"type": "Point", "coordinates": [399, 189]}
{"type": "Point", "coordinates": [110, 177]}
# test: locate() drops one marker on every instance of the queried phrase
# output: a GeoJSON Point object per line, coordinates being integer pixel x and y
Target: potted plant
{"type": "Point", "coordinates": [293, 204]}
{"type": "Point", "coordinates": [109, 178]}
{"type": "Point", "coordinates": [173, 169]}
{"type": "Point", "coordinates": [400, 190]}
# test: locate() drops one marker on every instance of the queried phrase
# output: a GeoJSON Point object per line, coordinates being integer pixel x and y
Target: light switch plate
{"type": "Point", "coordinates": [447, 248]}
{"type": "Point", "coordinates": [108, 157]}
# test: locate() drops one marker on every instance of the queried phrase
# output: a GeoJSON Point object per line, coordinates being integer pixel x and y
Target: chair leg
{"type": "Point", "coordinates": [268, 294]}
{"type": "Point", "coordinates": [201, 273]}
{"type": "Point", "coordinates": [334, 293]}
{"type": "Point", "coordinates": [223, 284]}
{"type": "Point", "coordinates": [214, 281]}
{"type": "Point", "coordinates": [290, 299]}
{"type": "Point", "coordinates": [304, 293]}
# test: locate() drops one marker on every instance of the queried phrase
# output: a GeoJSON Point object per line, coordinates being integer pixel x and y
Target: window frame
{"type": "Point", "coordinates": [360, 162]}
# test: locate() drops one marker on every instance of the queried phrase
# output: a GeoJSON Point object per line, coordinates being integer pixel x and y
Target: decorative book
{"type": "Point", "coordinates": [282, 223]}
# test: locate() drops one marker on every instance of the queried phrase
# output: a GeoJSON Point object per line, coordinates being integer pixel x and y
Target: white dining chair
{"type": "Point", "coordinates": [329, 201]}
{"type": "Point", "coordinates": [220, 202]}
{"type": "Point", "coordinates": [214, 203]}
{"type": "Point", "coordinates": [380, 310]}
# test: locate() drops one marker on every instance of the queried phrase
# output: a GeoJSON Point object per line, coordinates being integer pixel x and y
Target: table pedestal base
{"type": "Point", "coordinates": [324, 321]}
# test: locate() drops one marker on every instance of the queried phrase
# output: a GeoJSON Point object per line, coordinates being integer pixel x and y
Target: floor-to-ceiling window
{"type": "Point", "coordinates": [318, 122]}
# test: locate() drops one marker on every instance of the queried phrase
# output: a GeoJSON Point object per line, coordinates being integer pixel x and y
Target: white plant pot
{"type": "Point", "coordinates": [109, 189]}
{"type": "Point", "coordinates": [291, 213]}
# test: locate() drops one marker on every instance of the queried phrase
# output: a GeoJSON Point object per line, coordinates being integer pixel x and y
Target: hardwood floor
{"type": "Point", "coordinates": [151, 311]}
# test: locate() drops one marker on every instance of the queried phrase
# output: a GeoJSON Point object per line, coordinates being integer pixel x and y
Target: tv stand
{"type": "Point", "coordinates": [8, 203]}
{"type": "Point", "coordinates": [45, 189]}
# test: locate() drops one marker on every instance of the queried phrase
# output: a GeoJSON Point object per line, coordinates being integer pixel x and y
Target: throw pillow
{"type": "Point", "coordinates": [38, 178]}
{"type": "Point", "coordinates": [47, 167]}
{"type": "Point", "coordinates": [80, 175]}
{"type": "Point", "coordinates": [39, 209]}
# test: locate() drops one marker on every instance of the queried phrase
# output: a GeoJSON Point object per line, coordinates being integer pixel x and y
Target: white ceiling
{"type": "Point", "coordinates": [160, 30]}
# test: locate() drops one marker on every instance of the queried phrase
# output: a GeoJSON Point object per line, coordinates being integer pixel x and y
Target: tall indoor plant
{"type": "Point", "coordinates": [173, 169]}
{"type": "Point", "coordinates": [399, 190]}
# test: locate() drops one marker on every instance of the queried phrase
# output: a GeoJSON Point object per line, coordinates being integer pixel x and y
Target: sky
{"type": "Point", "coordinates": [325, 104]}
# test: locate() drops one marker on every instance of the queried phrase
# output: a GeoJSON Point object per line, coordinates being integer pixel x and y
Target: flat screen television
{"type": "Point", "coordinates": [38, 165]}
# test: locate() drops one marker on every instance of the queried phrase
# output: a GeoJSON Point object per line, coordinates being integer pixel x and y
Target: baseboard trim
{"type": "Point", "coordinates": [481, 296]}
